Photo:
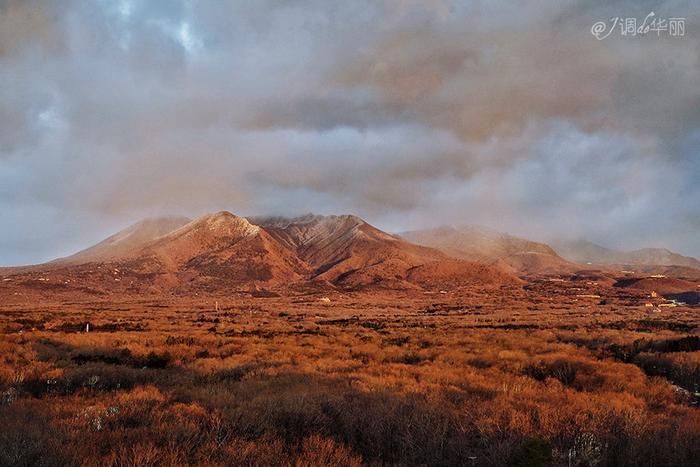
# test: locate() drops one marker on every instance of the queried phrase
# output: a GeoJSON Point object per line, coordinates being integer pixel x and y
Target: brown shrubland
{"type": "Point", "coordinates": [511, 377]}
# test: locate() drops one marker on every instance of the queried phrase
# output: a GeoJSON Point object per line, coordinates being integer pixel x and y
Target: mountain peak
{"type": "Point", "coordinates": [282, 222]}
{"type": "Point", "coordinates": [220, 250]}
{"type": "Point", "coordinates": [221, 223]}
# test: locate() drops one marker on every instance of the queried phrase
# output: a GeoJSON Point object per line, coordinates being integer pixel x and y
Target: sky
{"type": "Point", "coordinates": [408, 113]}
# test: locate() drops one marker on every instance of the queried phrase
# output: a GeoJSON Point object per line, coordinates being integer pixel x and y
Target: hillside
{"type": "Point", "coordinates": [129, 241]}
{"type": "Point", "coordinates": [224, 247]}
{"type": "Point", "coordinates": [583, 251]}
{"type": "Point", "coordinates": [517, 255]}
{"type": "Point", "coordinates": [222, 252]}
{"type": "Point", "coordinates": [347, 251]}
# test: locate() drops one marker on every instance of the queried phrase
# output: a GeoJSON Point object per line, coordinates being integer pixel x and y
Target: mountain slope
{"type": "Point", "coordinates": [347, 251]}
{"type": "Point", "coordinates": [515, 254]}
{"type": "Point", "coordinates": [222, 252]}
{"type": "Point", "coordinates": [587, 252]}
{"type": "Point", "coordinates": [225, 247]}
{"type": "Point", "coordinates": [659, 257]}
{"type": "Point", "coordinates": [662, 285]}
{"type": "Point", "coordinates": [129, 241]}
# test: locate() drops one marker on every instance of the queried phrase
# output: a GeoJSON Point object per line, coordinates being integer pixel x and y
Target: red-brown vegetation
{"type": "Point", "coordinates": [534, 375]}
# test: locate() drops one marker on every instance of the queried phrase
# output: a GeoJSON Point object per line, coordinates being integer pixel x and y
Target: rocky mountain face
{"type": "Point", "coordinates": [221, 251]}
{"type": "Point", "coordinates": [348, 251]}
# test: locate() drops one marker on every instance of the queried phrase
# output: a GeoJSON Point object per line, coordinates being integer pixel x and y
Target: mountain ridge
{"type": "Point", "coordinates": [222, 251]}
{"type": "Point", "coordinates": [518, 255]}
{"type": "Point", "coordinates": [585, 252]}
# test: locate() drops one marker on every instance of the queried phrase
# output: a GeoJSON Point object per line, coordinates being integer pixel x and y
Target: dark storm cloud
{"type": "Point", "coordinates": [410, 113]}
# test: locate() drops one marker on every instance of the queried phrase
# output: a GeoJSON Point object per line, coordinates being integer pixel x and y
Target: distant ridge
{"type": "Point", "coordinates": [583, 251]}
{"type": "Point", "coordinates": [515, 254]}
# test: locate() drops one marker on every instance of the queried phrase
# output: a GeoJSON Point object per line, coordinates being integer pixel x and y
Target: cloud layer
{"type": "Point", "coordinates": [409, 113]}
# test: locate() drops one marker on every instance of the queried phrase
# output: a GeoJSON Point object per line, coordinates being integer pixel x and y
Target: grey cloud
{"type": "Point", "coordinates": [26, 24]}
{"type": "Point", "coordinates": [410, 113]}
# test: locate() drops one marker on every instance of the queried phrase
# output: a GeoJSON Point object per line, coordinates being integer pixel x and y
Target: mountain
{"type": "Point", "coordinates": [222, 252]}
{"type": "Point", "coordinates": [658, 257]}
{"type": "Point", "coordinates": [583, 251]}
{"type": "Point", "coordinates": [347, 251]}
{"type": "Point", "coordinates": [515, 254]}
{"type": "Point", "coordinates": [225, 248]}
{"type": "Point", "coordinates": [129, 241]}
